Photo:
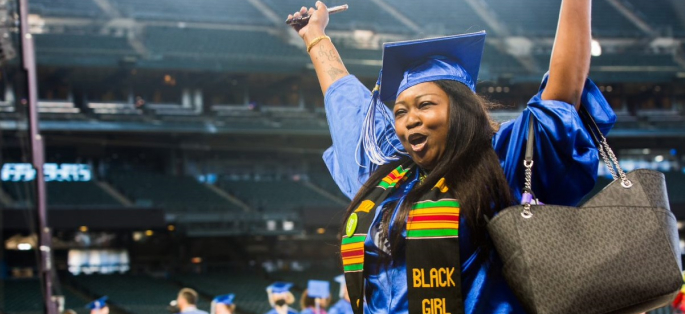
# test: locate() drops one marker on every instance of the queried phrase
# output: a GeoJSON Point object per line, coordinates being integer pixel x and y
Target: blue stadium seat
{"type": "Point", "coordinates": [607, 22]}
{"type": "Point", "coordinates": [239, 46]}
{"type": "Point", "coordinates": [66, 8]}
{"type": "Point", "coordinates": [443, 17]}
{"type": "Point", "coordinates": [21, 296]}
{"type": "Point", "coordinates": [362, 15]}
{"type": "Point", "coordinates": [220, 11]}
{"type": "Point", "coordinates": [76, 194]}
{"type": "Point", "coordinates": [70, 44]}
{"type": "Point", "coordinates": [528, 17]}
{"type": "Point", "coordinates": [659, 14]}
{"type": "Point", "coordinates": [174, 194]}
{"type": "Point", "coordinates": [276, 195]}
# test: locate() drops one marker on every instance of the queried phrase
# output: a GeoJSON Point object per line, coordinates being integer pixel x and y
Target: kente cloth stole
{"type": "Point", "coordinates": [432, 247]}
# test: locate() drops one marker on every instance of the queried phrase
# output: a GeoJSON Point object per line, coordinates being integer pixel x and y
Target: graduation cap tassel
{"type": "Point", "coordinates": [369, 141]}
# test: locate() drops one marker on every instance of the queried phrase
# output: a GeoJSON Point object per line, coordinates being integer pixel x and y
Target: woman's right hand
{"type": "Point", "coordinates": [325, 58]}
{"type": "Point", "coordinates": [316, 26]}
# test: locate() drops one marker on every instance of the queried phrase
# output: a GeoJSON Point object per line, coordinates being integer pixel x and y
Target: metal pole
{"type": "Point", "coordinates": [37, 154]}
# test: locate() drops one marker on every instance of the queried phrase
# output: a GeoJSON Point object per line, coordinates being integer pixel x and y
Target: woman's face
{"type": "Point", "coordinates": [422, 122]}
{"type": "Point", "coordinates": [223, 309]}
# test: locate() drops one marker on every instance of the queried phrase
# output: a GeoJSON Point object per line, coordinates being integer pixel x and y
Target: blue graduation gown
{"type": "Point", "coordinates": [341, 307]}
{"type": "Point", "coordinates": [313, 311]}
{"type": "Point", "coordinates": [564, 152]}
{"type": "Point", "coordinates": [290, 311]}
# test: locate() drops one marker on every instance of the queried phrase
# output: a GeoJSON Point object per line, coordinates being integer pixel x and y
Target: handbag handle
{"type": "Point", "coordinates": [603, 147]}
{"type": "Point", "coordinates": [527, 196]}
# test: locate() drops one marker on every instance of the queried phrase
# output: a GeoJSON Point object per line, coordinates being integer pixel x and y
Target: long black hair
{"type": "Point", "coordinates": [469, 165]}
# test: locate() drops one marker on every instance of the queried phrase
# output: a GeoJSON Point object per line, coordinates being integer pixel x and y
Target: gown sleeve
{"type": "Point", "coordinates": [565, 156]}
{"type": "Point", "coordinates": [347, 101]}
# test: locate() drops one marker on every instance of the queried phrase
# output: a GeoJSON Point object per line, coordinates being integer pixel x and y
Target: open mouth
{"type": "Point", "coordinates": [417, 142]}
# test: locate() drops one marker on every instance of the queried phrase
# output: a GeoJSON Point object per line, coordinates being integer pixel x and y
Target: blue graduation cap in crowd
{"type": "Point", "coordinates": [224, 299]}
{"type": "Point", "coordinates": [408, 63]}
{"type": "Point", "coordinates": [97, 304]}
{"type": "Point", "coordinates": [318, 289]}
{"type": "Point", "coordinates": [341, 280]}
{"type": "Point", "coordinates": [279, 287]}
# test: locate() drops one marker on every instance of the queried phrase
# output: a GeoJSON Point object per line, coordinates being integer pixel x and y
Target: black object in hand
{"type": "Point", "coordinates": [304, 19]}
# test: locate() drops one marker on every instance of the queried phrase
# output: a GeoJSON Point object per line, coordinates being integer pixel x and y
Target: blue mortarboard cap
{"type": "Point", "coordinates": [280, 287]}
{"type": "Point", "coordinates": [318, 289]}
{"type": "Point", "coordinates": [225, 299]}
{"type": "Point", "coordinates": [97, 304]}
{"type": "Point", "coordinates": [341, 280]}
{"type": "Point", "coordinates": [408, 63]}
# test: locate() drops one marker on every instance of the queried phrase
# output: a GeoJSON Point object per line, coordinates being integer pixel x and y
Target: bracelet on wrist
{"type": "Point", "coordinates": [316, 41]}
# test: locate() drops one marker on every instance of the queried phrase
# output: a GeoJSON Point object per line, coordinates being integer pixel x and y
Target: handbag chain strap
{"type": "Point", "coordinates": [527, 196]}
{"type": "Point", "coordinates": [605, 151]}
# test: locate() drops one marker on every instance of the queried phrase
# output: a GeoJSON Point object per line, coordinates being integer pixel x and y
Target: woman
{"type": "Point", "coordinates": [316, 297]}
{"type": "Point", "coordinates": [308, 304]}
{"type": "Point", "coordinates": [223, 304]}
{"type": "Point", "coordinates": [343, 305]}
{"type": "Point", "coordinates": [280, 298]}
{"type": "Point", "coordinates": [455, 160]}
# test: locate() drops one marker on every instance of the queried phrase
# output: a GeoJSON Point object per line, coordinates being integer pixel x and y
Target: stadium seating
{"type": "Point", "coordinates": [78, 194]}
{"type": "Point", "coordinates": [24, 296]}
{"type": "Point", "coordinates": [249, 287]}
{"type": "Point", "coordinates": [276, 195]}
{"type": "Point", "coordinates": [527, 17]}
{"type": "Point", "coordinates": [362, 15]}
{"type": "Point", "coordinates": [72, 194]}
{"type": "Point", "coordinates": [607, 22]}
{"type": "Point", "coordinates": [325, 181]}
{"type": "Point", "coordinates": [79, 8]}
{"type": "Point", "coordinates": [443, 17]}
{"type": "Point", "coordinates": [75, 301]}
{"type": "Point", "coordinates": [634, 59]}
{"type": "Point", "coordinates": [675, 181]}
{"type": "Point", "coordinates": [240, 46]}
{"type": "Point", "coordinates": [238, 12]}
{"type": "Point", "coordinates": [496, 61]}
{"type": "Point", "coordinates": [654, 14]}
{"type": "Point", "coordinates": [81, 43]}
{"type": "Point", "coordinates": [175, 194]}
{"type": "Point", "coordinates": [134, 293]}
{"type": "Point", "coordinates": [21, 296]}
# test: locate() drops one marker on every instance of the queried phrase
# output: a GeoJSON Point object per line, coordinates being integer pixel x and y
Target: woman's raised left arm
{"type": "Point", "coordinates": [570, 62]}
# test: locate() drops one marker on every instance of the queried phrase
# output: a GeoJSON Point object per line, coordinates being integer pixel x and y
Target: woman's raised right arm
{"type": "Point", "coordinates": [325, 58]}
{"type": "Point", "coordinates": [347, 101]}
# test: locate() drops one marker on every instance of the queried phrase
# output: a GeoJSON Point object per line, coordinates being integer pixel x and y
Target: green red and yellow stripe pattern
{"type": "Point", "coordinates": [434, 219]}
{"type": "Point", "coordinates": [391, 179]}
{"type": "Point", "coordinates": [352, 251]}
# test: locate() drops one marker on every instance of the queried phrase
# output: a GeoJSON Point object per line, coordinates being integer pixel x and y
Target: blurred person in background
{"type": "Point", "coordinates": [280, 298]}
{"type": "Point", "coordinates": [98, 306]}
{"type": "Point", "coordinates": [223, 304]}
{"type": "Point", "coordinates": [316, 297]}
{"type": "Point", "coordinates": [678, 303]}
{"type": "Point", "coordinates": [426, 174]}
{"type": "Point", "coordinates": [187, 302]}
{"type": "Point", "coordinates": [343, 305]}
